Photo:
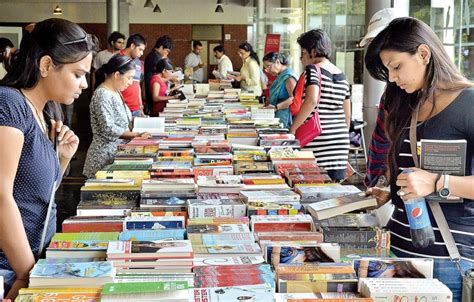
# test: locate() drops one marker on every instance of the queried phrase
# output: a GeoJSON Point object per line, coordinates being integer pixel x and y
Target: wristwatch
{"type": "Point", "coordinates": [445, 192]}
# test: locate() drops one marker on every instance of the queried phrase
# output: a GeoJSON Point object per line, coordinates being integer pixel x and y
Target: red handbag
{"type": "Point", "coordinates": [311, 128]}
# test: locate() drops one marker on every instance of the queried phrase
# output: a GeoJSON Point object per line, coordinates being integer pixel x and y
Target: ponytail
{"type": "Point", "coordinates": [247, 47]}
{"type": "Point", "coordinates": [118, 63]}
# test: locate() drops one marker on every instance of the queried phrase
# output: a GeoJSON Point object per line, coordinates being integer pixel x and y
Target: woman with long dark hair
{"type": "Point", "coordinates": [249, 77]}
{"type": "Point", "coordinates": [281, 91]}
{"type": "Point", "coordinates": [111, 118]}
{"type": "Point", "coordinates": [51, 64]}
{"type": "Point", "coordinates": [423, 82]}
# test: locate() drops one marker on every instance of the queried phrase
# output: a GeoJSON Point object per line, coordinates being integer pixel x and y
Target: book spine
{"type": "Point", "coordinates": [111, 195]}
{"type": "Point", "coordinates": [201, 211]}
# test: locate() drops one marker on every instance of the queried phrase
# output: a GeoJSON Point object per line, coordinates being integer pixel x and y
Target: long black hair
{"type": "Point", "coordinates": [247, 47]}
{"type": "Point", "coordinates": [64, 41]}
{"type": "Point", "coordinates": [406, 35]}
{"type": "Point", "coordinates": [118, 63]}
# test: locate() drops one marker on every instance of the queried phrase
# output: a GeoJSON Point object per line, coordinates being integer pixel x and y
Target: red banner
{"type": "Point", "coordinates": [272, 43]}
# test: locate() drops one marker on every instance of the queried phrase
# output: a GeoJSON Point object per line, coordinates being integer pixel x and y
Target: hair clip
{"type": "Point", "coordinates": [76, 41]}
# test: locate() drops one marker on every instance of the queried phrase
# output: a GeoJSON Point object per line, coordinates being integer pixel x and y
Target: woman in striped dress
{"type": "Point", "coordinates": [331, 148]}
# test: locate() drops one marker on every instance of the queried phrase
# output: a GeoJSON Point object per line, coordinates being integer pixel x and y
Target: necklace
{"type": "Point", "coordinates": [42, 123]}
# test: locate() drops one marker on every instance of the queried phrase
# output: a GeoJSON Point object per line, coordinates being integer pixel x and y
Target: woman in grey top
{"type": "Point", "coordinates": [110, 117]}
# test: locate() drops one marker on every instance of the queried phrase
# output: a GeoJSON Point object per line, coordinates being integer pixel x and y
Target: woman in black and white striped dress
{"type": "Point", "coordinates": [331, 148]}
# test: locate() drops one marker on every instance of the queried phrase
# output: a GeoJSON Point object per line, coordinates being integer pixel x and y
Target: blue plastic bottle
{"type": "Point", "coordinates": [421, 231]}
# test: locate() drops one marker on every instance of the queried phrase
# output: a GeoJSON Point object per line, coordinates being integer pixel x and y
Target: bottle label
{"type": "Point", "coordinates": [417, 214]}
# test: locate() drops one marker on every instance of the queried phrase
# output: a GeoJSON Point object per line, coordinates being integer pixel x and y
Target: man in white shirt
{"type": "Point", "coordinates": [193, 60]}
{"type": "Point", "coordinates": [223, 63]}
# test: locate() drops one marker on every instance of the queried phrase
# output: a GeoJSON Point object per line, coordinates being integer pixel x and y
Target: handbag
{"type": "Point", "coordinates": [311, 128]}
{"type": "Point", "coordinates": [297, 96]}
{"type": "Point", "coordinates": [468, 276]}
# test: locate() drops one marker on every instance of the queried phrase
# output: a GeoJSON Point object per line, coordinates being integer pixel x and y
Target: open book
{"type": "Point", "coordinates": [152, 125]}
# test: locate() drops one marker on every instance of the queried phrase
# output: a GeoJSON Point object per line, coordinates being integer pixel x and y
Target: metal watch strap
{"type": "Point", "coordinates": [446, 181]}
{"type": "Point", "coordinates": [435, 206]}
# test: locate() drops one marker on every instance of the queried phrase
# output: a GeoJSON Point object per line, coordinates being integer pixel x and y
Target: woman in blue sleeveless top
{"type": "Point", "coordinates": [281, 91]}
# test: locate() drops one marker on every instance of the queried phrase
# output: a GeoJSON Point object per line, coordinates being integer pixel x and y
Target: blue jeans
{"type": "Point", "coordinates": [136, 113]}
{"type": "Point", "coordinates": [337, 175]}
{"type": "Point", "coordinates": [446, 272]}
{"type": "Point", "coordinates": [8, 279]}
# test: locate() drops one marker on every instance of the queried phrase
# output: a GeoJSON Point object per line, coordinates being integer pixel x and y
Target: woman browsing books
{"type": "Point", "coordinates": [110, 117]}
{"type": "Point", "coordinates": [54, 58]}
{"type": "Point", "coordinates": [249, 77]}
{"type": "Point", "coordinates": [423, 83]}
{"type": "Point", "coordinates": [159, 86]}
{"type": "Point", "coordinates": [331, 147]}
{"type": "Point", "coordinates": [281, 91]}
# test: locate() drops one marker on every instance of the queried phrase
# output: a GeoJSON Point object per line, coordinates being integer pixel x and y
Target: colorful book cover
{"type": "Point", "coordinates": [147, 235]}
{"type": "Point", "coordinates": [78, 245]}
{"type": "Point", "coordinates": [150, 249]}
{"type": "Point", "coordinates": [73, 270]}
{"type": "Point", "coordinates": [394, 267]}
{"type": "Point", "coordinates": [153, 223]}
{"type": "Point", "coordinates": [142, 287]}
{"type": "Point", "coordinates": [94, 236]}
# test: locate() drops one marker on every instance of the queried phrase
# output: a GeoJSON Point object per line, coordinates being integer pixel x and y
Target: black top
{"type": "Point", "coordinates": [456, 121]}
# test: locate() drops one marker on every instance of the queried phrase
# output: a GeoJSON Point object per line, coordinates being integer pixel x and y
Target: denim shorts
{"type": "Point", "coordinates": [8, 279]}
{"type": "Point", "coordinates": [447, 272]}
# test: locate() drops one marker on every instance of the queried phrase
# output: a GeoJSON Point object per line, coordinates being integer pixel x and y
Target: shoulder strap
{"type": "Point", "coordinates": [320, 78]}
{"type": "Point", "coordinates": [50, 204]}
{"type": "Point", "coordinates": [435, 206]}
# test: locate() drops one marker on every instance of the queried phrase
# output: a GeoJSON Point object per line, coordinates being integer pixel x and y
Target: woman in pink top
{"type": "Point", "coordinates": [159, 86]}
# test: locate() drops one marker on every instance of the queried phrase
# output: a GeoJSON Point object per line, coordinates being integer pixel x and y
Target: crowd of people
{"type": "Point", "coordinates": [55, 55]}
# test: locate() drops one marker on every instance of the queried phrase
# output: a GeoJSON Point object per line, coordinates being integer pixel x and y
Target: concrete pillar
{"type": "Point", "coordinates": [124, 18]}
{"type": "Point", "coordinates": [112, 16]}
{"type": "Point", "coordinates": [373, 89]}
{"type": "Point", "coordinates": [260, 38]}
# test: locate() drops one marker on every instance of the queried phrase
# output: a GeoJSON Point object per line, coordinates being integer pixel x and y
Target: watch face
{"type": "Point", "coordinates": [444, 192]}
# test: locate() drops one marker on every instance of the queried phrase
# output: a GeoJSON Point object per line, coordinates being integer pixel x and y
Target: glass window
{"type": "Point", "coordinates": [452, 20]}
{"type": "Point", "coordinates": [344, 21]}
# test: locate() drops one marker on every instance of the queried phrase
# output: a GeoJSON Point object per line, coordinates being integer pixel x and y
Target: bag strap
{"type": "Point", "coordinates": [50, 205]}
{"type": "Point", "coordinates": [318, 70]}
{"type": "Point", "coordinates": [435, 206]}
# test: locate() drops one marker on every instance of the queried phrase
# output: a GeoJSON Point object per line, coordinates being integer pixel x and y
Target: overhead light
{"type": "Point", "coordinates": [148, 3]}
{"type": "Point", "coordinates": [219, 9]}
{"type": "Point", "coordinates": [157, 9]}
{"type": "Point", "coordinates": [220, 2]}
{"type": "Point", "coordinates": [57, 11]}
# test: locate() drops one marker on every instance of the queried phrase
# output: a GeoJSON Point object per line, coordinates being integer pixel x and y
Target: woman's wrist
{"type": "Point", "coordinates": [438, 182]}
